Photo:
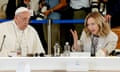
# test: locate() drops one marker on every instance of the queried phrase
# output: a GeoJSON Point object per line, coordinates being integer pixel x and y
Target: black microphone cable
{"type": "Point", "coordinates": [2, 42]}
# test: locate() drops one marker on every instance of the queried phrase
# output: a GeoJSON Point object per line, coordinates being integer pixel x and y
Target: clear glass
{"type": "Point", "coordinates": [56, 49]}
{"type": "Point", "coordinates": [67, 49]}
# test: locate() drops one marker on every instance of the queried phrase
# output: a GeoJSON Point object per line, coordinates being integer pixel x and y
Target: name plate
{"type": "Point", "coordinates": [80, 54]}
{"type": "Point", "coordinates": [23, 67]}
{"type": "Point", "coordinates": [77, 66]}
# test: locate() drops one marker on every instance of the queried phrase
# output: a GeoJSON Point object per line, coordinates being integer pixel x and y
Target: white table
{"type": "Point", "coordinates": [59, 63]}
{"type": "Point", "coordinates": [67, 71]}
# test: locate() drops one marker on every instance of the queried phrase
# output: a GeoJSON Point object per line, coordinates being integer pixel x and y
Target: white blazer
{"type": "Point", "coordinates": [108, 42]}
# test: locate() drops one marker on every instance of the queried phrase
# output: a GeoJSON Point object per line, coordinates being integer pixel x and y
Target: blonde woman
{"type": "Point", "coordinates": [95, 27]}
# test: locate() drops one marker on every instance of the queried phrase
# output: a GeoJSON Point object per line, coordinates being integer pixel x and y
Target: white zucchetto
{"type": "Point", "coordinates": [21, 9]}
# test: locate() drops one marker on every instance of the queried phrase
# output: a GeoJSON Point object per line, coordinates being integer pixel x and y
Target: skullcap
{"type": "Point", "coordinates": [21, 9]}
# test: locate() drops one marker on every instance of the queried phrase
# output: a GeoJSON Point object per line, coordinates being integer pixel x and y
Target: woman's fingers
{"type": "Point", "coordinates": [73, 34]}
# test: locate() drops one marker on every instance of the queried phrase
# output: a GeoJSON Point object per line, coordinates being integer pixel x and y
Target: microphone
{"type": "Point", "coordinates": [2, 42]}
{"type": "Point", "coordinates": [42, 55]}
{"type": "Point", "coordinates": [94, 43]}
{"type": "Point", "coordinates": [92, 46]}
{"type": "Point", "coordinates": [39, 54]}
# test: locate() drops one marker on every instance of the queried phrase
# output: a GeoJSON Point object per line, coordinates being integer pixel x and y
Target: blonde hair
{"type": "Point", "coordinates": [104, 27]}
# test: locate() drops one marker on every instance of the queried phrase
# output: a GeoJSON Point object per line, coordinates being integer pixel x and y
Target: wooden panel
{"type": "Point", "coordinates": [117, 31]}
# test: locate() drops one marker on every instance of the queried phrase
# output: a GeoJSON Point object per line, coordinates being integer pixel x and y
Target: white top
{"type": "Point", "coordinates": [28, 39]}
{"type": "Point", "coordinates": [77, 4]}
{"type": "Point", "coordinates": [108, 42]}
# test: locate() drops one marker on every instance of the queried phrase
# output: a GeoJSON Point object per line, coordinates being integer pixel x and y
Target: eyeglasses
{"type": "Point", "coordinates": [24, 19]}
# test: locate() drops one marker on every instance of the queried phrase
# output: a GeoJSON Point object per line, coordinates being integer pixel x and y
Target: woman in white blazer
{"type": "Point", "coordinates": [95, 27]}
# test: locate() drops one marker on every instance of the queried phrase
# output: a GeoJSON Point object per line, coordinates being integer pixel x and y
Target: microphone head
{"type": "Point", "coordinates": [36, 54]}
{"type": "Point", "coordinates": [4, 36]}
{"type": "Point", "coordinates": [42, 54]}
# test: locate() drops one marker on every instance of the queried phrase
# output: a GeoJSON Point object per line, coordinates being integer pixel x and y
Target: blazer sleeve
{"type": "Point", "coordinates": [111, 42]}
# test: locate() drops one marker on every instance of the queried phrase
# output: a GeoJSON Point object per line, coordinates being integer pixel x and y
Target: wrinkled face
{"type": "Point", "coordinates": [22, 20]}
{"type": "Point", "coordinates": [92, 26]}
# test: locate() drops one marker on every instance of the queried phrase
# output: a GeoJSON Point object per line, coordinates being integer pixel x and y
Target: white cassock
{"type": "Point", "coordinates": [27, 40]}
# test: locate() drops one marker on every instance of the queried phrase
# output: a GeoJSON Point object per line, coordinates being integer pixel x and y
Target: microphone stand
{"type": "Point", "coordinates": [92, 47]}
{"type": "Point", "coordinates": [2, 43]}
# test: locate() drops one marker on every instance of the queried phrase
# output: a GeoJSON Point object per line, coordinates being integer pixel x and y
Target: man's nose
{"type": "Point", "coordinates": [26, 22]}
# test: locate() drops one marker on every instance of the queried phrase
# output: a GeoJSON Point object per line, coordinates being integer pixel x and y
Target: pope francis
{"type": "Point", "coordinates": [17, 37]}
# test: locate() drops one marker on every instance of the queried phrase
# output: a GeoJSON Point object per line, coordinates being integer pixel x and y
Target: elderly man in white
{"type": "Point", "coordinates": [17, 36]}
